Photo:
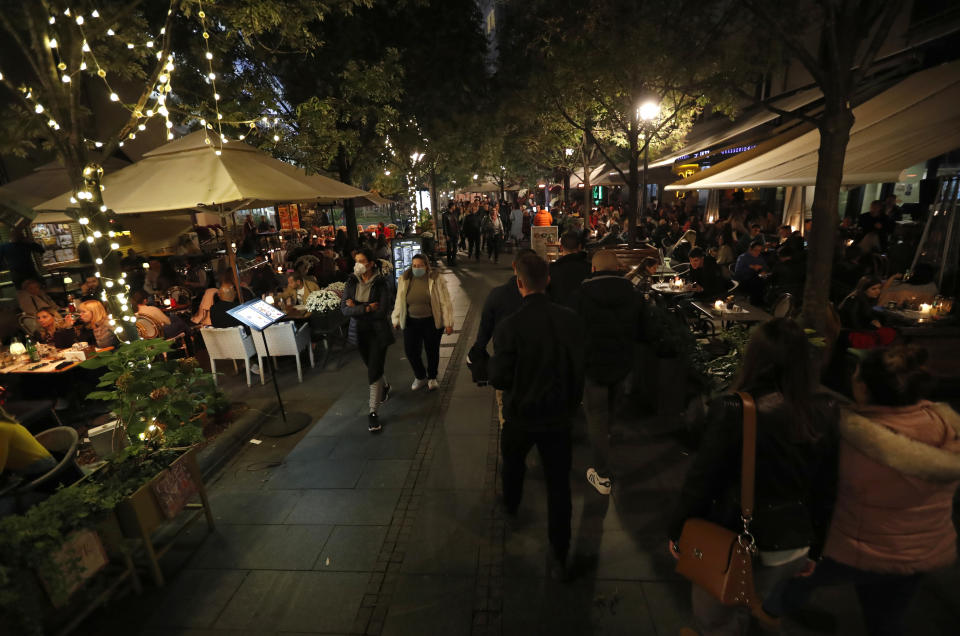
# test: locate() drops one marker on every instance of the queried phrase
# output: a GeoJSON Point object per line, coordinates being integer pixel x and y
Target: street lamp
{"type": "Point", "coordinates": [647, 112]}
{"type": "Point", "coordinates": [568, 152]}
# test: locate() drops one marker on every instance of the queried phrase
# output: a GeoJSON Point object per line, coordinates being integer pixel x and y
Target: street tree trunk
{"type": "Point", "coordinates": [344, 171]}
{"type": "Point", "coordinates": [433, 202]}
{"type": "Point", "coordinates": [834, 128]}
{"type": "Point", "coordinates": [633, 176]}
{"type": "Point", "coordinates": [586, 171]}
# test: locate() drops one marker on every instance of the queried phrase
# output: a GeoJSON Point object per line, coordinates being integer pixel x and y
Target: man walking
{"type": "Point", "coordinates": [471, 229]}
{"type": "Point", "coordinates": [538, 364]}
{"type": "Point", "coordinates": [610, 306]}
{"type": "Point", "coordinates": [451, 230]}
{"type": "Point", "coordinates": [568, 271]}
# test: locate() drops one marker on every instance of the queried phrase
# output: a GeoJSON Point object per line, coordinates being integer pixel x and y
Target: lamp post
{"type": "Point", "coordinates": [647, 113]}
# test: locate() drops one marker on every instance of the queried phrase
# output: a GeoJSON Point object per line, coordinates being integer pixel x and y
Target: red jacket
{"type": "Point", "coordinates": [899, 468]}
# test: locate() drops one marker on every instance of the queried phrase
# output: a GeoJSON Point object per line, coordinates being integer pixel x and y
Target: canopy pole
{"type": "Point", "coordinates": [232, 256]}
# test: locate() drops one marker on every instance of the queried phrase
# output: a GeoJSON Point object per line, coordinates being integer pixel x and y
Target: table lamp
{"type": "Point", "coordinates": [17, 348]}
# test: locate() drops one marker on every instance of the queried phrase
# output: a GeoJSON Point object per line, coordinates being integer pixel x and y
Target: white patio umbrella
{"type": "Point", "coordinates": [189, 173]}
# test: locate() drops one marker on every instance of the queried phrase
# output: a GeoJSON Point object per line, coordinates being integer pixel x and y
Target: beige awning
{"type": "Point", "coordinates": [49, 180]}
{"type": "Point", "coordinates": [372, 199]}
{"type": "Point", "coordinates": [908, 123]}
{"type": "Point", "coordinates": [187, 173]}
{"type": "Point", "coordinates": [490, 185]}
{"type": "Point", "coordinates": [720, 131]}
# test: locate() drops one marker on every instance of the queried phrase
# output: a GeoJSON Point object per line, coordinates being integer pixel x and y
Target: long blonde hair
{"type": "Point", "coordinates": [96, 309]}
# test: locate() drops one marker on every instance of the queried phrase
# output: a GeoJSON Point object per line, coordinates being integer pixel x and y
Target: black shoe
{"type": "Point", "coordinates": [559, 571]}
{"type": "Point", "coordinates": [373, 423]}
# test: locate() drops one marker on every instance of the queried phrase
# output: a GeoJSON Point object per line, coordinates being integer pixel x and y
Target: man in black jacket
{"type": "Point", "coordinates": [705, 274]}
{"type": "Point", "coordinates": [609, 306]}
{"type": "Point", "coordinates": [538, 364]}
{"type": "Point", "coordinates": [451, 230]}
{"type": "Point", "coordinates": [471, 229]}
{"type": "Point", "coordinates": [568, 271]}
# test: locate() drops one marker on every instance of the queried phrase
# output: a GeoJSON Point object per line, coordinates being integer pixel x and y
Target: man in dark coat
{"type": "Point", "coordinates": [568, 271]}
{"type": "Point", "coordinates": [538, 364]}
{"type": "Point", "coordinates": [451, 230]}
{"type": "Point", "coordinates": [471, 229]}
{"type": "Point", "coordinates": [705, 274]}
{"type": "Point", "coordinates": [609, 306]}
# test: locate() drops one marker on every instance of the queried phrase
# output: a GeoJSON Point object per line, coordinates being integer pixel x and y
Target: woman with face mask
{"type": "Point", "coordinates": [366, 301]}
{"type": "Point", "coordinates": [424, 311]}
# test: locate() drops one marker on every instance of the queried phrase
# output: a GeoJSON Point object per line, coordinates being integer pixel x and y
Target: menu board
{"type": "Point", "coordinates": [540, 236]}
{"type": "Point", "coordinates": [57, 241]}
{"type": "Point", "coordinates": [289, 216]}
{"type": "Point", "coordinates": [256, 314]}
{"type": "Point", "coordinates": [403, 253]}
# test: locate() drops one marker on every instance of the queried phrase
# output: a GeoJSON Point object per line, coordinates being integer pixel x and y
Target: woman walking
{"type": "Point", "coordinates": [899, 470]}
{"type": "Point", "coordinates": [366, 301]}
{"type": "Point", "coordinates": [424, 311]}
{"type": "Point", "coordinates": [795, 449]}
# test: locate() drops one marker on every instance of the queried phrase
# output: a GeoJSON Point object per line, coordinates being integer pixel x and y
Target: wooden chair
{"type": "Point", "coordinates": [230, 343]}
{"type": "Point", "coordinates": [283, 340]}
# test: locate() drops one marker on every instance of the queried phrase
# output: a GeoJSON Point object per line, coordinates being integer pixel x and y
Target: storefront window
{"type": "Point", "coordinates": [57, 240]}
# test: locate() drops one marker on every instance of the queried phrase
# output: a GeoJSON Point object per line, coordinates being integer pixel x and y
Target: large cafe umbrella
{"type": "Point", "coordinates": [189, 173]}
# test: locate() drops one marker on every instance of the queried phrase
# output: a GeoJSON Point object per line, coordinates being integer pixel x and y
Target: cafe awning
{"type": "Point", "coordinates": [188, 173]}
{"type": "Point", "coordinates": [21, 195]}
{"type": "Point", "coordinates": [714, 133]}
{"type": "Point", "coordinates": [908, 123]}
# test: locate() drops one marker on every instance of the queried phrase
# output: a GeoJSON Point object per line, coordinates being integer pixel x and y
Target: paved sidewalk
{"type": "Point", "coordinates": [336, 531]}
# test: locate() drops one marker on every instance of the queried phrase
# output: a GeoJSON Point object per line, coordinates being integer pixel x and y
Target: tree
{"type": "Point", "coordinates": [55, 60]}
{"type": "Point", "coordinates": [852, 32]}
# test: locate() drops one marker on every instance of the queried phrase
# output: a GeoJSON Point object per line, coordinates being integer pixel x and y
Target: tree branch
{"type": "Point", "coordinates": [892, 8]}
{"type": "Point", "coordinates": [759, 8]}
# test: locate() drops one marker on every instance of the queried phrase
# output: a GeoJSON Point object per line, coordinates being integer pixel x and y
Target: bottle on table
{"type": "Point", "coordinates": [32, 350]}
{"type": "Point", "coordinates": [71, 304]}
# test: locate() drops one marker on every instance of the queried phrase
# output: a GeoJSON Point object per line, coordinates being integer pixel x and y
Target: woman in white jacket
{"type": "Point", "coordinates": [424, 311]}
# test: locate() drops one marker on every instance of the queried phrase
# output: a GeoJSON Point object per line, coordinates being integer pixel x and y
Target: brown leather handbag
{"type": "Point", "coordinates": [717, 559]}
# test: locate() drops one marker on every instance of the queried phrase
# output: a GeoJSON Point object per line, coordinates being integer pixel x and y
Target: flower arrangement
{"type": "Point", "coordinates": [323, 301]}
{"type": "Point", "coordinates": [337, 288]}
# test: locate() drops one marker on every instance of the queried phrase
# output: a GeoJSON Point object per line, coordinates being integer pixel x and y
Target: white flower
{"type": "Point", "coordinates": [323, 300]}
{"type": "Point", "coordinates": [337, 288]}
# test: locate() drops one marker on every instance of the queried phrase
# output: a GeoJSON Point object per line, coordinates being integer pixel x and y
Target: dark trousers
{"type": "Point", "coordinates": [884, 598]}
{"type": "Point", "coordinates": [373, 351]}
{"type": "Point", "coordinates": [473, 245]}
{"type": "Point", "coordinates": [452, 249]}
{"type": "Point", "coordinates": [599, 401]}
{"type": "Point", "coordinates": [556, 456]}
{"type": "Point", "coordinates": [493, 247]}
{"type": "Point", "coordinates": [420, 334]}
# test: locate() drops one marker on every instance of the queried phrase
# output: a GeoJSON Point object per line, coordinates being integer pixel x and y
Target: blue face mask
{"type": "Point", "coordinates": [419, 271]}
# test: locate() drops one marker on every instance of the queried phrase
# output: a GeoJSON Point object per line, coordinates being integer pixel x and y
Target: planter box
{"type": "Point", "coordinates": [662, 381]}
{"type": "Point", "coordinates": [160, 500]}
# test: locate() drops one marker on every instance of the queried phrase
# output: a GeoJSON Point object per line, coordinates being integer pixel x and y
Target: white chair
{"type": "Point", "coordinates": [231, 343]}
{"type": "Point", "coordinates": [283, 340]}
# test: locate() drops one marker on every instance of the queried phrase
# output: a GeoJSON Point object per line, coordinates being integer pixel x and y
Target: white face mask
{"type": "Point", "coordinates": [359, 269]}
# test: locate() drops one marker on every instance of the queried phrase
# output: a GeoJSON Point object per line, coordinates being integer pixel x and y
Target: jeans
{"type": "Point", "coordinates": [716, 619]}
{"type": "Point", "coordinates": [598, 406]}
{"type": "Point", "coordinates": [556, 456]}
{"type": "Point", "coordinates": [473, 245]}
{"type": "Point", "coordinates": [884, 598]}
{"type": "Point", "coordinates": [493, 247]}
{"type": "Point", "coordinates": [452, 249]}
{"type": "Point", "coordinates": [419, 334]}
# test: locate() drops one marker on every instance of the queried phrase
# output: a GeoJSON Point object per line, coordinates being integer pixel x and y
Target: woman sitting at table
{"type": "Point", "coordinates": [94, 316]}
{"type": "Point", "coordinates": [171, 325]}
{"type": "Point", "coordinates": [20, 452]}
{"type": "Point", "coordinates": [54, 330]}
{"type": "Point", "coordinates": [857, 313]}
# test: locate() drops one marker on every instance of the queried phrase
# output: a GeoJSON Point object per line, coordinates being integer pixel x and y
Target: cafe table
{"type": "Point", "coordinates": [743, 312]}
{"type": "Point", "coordinates": [53, 363]}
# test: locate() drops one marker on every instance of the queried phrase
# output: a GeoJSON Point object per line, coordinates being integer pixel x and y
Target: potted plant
{"type": "Point", "coordinates": [665, 347]}
{"type": "Point", "coordinates": [161, 406]}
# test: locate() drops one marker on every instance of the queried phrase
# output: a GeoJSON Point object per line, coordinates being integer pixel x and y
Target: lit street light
{"type": "Point", "coordinates": [647, 113]}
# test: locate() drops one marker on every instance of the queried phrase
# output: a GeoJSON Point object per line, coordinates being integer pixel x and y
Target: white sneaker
{"type": "Point", "coordinates": [418, 384]}
{"type": "Point", "coordinates": [602, 484]}
{"type": "Point", "coordinates": [255, 369]}
{"type": "Point", "coordinates": [432, 384]}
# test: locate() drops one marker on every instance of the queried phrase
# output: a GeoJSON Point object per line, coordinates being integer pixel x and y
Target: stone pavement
{"type": "Point", "coordinates": [335, 531]}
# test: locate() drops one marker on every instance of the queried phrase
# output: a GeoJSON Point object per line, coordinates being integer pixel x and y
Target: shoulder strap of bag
{"type": "Point", "coordinates": [749, 466]}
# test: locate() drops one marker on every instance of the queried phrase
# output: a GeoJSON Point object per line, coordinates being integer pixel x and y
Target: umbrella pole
{"type": "Point", "coordinates": [232, 257]}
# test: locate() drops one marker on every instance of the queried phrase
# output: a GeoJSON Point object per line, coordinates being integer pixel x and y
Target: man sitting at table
{"type": "Point", "coordinates": [32, 297]}
{"type": "Point", "coordinates": [90, 288]}
{"type": "Point", "coordinates": [704, 274]}
{"type": "Point", "coordinates": [225, 299]}
{"type": "Point", "coordinates": [747, 271]}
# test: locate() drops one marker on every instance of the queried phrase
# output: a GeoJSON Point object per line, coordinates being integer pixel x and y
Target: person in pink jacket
{"type": "Point", "coordinates": [899, 467]}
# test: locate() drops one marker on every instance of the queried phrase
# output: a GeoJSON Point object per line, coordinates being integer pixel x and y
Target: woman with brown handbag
{"type": "Point", "coordinates": [794, 463]}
